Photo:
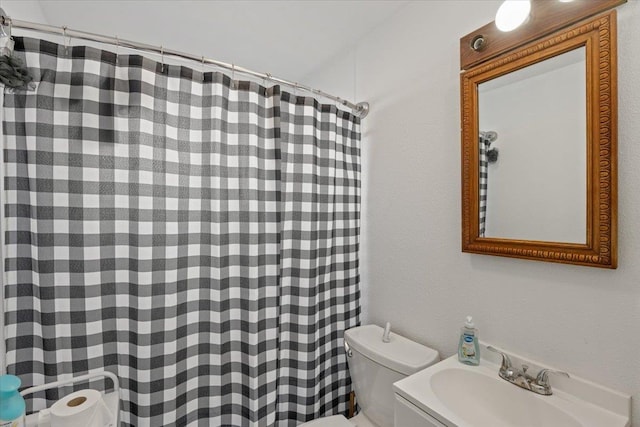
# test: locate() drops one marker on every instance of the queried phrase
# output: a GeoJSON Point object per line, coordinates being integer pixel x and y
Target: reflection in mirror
{"type": "Point", "coordinates": [486, 154]}
{"type": "Point", "coordinates": [536, 118]}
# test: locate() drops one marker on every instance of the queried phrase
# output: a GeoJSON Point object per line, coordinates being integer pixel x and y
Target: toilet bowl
{"type": "Point", "coordinates": [374, 366]}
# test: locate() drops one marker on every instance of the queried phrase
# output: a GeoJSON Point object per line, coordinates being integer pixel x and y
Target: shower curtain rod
{"type": "Point", "coordinates": [360, 109]}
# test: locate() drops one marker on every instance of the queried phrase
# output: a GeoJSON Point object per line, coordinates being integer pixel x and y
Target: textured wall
{"type": "Point", "coordinates": [26, 10]}
{"type": "Point", "coordinates": [578, 319]}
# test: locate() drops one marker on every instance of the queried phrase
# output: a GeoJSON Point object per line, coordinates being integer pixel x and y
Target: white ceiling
{"type": "Point", "coordinates": [286, 38]}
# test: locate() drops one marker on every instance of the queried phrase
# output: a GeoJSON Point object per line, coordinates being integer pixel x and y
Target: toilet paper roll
{"type": "Point", "coordinates": [84, 408]}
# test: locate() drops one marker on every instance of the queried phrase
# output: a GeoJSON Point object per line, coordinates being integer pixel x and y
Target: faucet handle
{"type": "Point", "coordinates": [506, 362]}
{"type": "Point", "coordinates": [542, 379]}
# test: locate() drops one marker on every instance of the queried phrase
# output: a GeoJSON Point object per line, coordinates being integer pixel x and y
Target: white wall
{"type": "Point", "coordinates": [25, 10]}
{"type": "Point", "coordinates": [579, 319]}
{"type": "Point", "coordinates": [537, 188]}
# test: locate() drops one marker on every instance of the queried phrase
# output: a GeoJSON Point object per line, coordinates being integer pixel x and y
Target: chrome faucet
{"type": "Point", "coordinates": [539, 384]}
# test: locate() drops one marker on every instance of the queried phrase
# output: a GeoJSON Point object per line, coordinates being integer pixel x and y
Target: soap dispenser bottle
{"type": "Point", "coordinates": [12, 406]}
{"type": "Point", "coordinates": [468, 348]}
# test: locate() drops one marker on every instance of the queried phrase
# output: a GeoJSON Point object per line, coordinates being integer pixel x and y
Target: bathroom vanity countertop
{"type": "Point", "coordinates": [459, 395]}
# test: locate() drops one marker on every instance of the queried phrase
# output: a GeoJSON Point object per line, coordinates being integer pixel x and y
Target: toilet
{"type": "Point", "coordinates": [374, 366]}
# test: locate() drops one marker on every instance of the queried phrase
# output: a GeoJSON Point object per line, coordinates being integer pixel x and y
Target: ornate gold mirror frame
{"type": "Point", "coordinates": [598, 36]}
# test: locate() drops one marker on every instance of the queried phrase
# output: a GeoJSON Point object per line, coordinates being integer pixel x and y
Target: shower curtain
{"type": "Point", "coordinates": [196, 236]}
{"type": "Point", "coordinates": [485, 144]}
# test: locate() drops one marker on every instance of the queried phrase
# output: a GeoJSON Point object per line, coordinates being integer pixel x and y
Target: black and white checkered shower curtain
{"type": "Point", "coordinates": [484, 145]}
{"type": "Point", "coordinates": [196, 236]}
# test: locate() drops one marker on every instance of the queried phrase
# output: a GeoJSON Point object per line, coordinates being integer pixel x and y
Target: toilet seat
{"type": "Point", "coordinates": [333, 421]}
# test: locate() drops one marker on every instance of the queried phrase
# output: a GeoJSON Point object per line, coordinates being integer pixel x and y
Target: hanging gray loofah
{"type": "Point", "coordinates": [13, 74]}
{"type": "Point", "coordinates": [492, 155]}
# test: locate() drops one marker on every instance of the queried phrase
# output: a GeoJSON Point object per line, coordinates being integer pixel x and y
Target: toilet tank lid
{"type": "Point", "coordinates": [399, 354]}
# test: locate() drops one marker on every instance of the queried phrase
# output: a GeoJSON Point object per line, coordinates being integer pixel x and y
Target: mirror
{"type": "Point", "coordinates": [539, 149]}
{"type": "Point", "coordinates": [536, 117]}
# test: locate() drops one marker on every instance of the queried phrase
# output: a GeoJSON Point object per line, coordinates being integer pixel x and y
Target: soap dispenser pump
{"type": "Point", "coordinates": [468, 348]}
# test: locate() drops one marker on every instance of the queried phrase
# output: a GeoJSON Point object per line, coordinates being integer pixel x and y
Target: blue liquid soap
{"type": "Point", "coordinates": [12, 406]}
{"type": "Point", "coordinates": [468, 348]}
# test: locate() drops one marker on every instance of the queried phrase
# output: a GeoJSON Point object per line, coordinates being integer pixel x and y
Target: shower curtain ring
{"type": "Point", "coordinates": [266, 80]}
{"type": "Point", "coordinates": [233, 76]}
{"type": "Point", "coordinates": [202, 68]}
{"type": "Point", "coordinates": [117, 50]}
{"type": "Point", "coordinates": [162, 58]}
{"type": "Point", "coordinates": [64, 40]}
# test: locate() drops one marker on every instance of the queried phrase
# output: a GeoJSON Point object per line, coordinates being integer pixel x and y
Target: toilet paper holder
{"type": "Point", "coordinates": [112, 400]}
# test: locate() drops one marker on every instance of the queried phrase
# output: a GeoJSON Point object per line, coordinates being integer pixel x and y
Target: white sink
{"type": "Point", "coordinates": [496, 403]}
{"type": "Point", "coordinates": [455, 395]}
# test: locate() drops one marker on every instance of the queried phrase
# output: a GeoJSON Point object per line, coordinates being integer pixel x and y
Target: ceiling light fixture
{"type": "Point", "coordinates": [512, 14]}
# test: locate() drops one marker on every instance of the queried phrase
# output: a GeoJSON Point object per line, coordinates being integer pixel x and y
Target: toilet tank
{"type": "Point", "coordinates": [375, 365]}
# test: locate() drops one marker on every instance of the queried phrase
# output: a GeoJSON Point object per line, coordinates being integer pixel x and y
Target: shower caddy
{"type": "Point", "coordinates": [111, 400]}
